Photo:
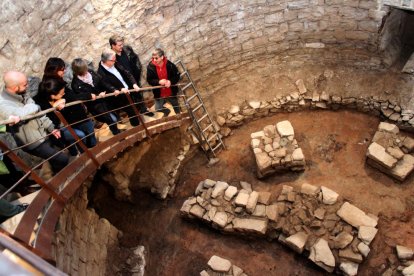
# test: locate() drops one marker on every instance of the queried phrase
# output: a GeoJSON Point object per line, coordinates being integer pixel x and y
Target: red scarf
{"type": "Point", "coordinates": [162, 74]}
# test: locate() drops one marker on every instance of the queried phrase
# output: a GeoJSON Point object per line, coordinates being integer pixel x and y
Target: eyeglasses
{"type": "Point", "coordinates": [155, 58]}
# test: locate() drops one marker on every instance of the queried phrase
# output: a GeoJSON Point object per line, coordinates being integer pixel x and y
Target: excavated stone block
{"type": "Point", "coordinates": [355, 216]}
{"type": "Point", "coordinates": [404, 253]}
{"type": "Point", "coordinates": [309, 189]}
{"type": "Point", "coordinates": [377, 153]}
{"type": "Point", "coordinates": [367, 234]}
{"type": "Point", "coordinates": [219, 264]}
{"type": "Point", "coordinates": [230, 192]}
{"type": "Point", "coordinates": [252, 201]}
{"type": "Point", "coordinates": [329, 196]}
{"type": "Point", "coordinates": [250, 225]}
{"type": "Point", "coordinates": [297, 241]}
{"type": "Point", "coordinates": [285, 129]}
{"type": "Point", "coordinates": [349, 268]}
{"type": "Point", "coordinates": [322, 255]}
{"type": "Point", "coordinates": [387, 127]}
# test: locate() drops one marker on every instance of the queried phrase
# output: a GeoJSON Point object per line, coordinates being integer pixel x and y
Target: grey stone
{"type": "Point", "coordinates": [197, 210]}
{"type": "Point", "coordinates": [343, 239]}
{"type": "Point", "coordinates": [255, 143]}
{"type": "Point", "coordinates": [322, 255]}
{"type": "Point", "coordinates": [404, 253]}
{"type": "Point", "coordinates": [329, 196]}
{"type": "Point", "coordinates": [350, 255]}
{"type": "Point", "coordinates": [387, 127]}
{"type": "Point", "coordinates": [208, 183]}
{"type": "Point", "coordinates": [367, 234]}
{"type": "Point", "coordinates": [250, 225]}
{"type": "Point", "coordinates": [297, 241]}
{"type": "Point", "coordinates": [363, 249]}
{"type": "Point", "coordinates": [309, 189]}
{"type": "Point", "coordinates": [377, 153]}
{"type": "Point", "coordinates": [285, 128]}
{"type": "Point", "coordinates": [234, 109]}
{"type": "Point", "coordinates": [297, 155]}
{"type": "Point", "coordinates": [256, 135]}
{"type": "Point", "coordinates": [186, 206]}
{"type": "Point", "coordinates": [219, 189]}
{"type": "Point", "coordinates": [246, 186]}
{"type": "Point", "coordinates": [264, 198]}
{"type": "Point", "coordinates": [230, 192]}
{"type": "Point", "coordinates": [219, 264]}
{"type": "Point", "coordinates": [241, 199]}
{"type": "Point", "coordinates": [272, 212]}
{"type": "Point", "coordinates": [355, 216]}
{"type": "Point", "coordinates": [269, 131]}
{"type": "Point", "coordinates": [220, 218]}
{"type": "Point", "coordinates": [254, 104]}
{"type": "Point", "coordinates": [259, 211]}
{"type": "Point", "coordinates": [403, 168]}
{"type": "Point", "coordinates": [395, 152]}
{"type": "Point", "coordinates": [349, 268]}
{"type": "Point", "coordinates": [252, 201]}
{"type": "Point", "coordinates": [199, 188]}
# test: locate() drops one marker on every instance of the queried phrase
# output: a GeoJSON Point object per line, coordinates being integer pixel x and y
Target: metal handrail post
{"type": "Point", "coordinates": [138, 114]}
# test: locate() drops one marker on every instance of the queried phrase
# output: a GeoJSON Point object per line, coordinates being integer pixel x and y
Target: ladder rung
{"type": "Point", "coordinates": [197, 107]}
{"type": "Point", "coordinates": [202, 118]}
{"type": "Point", "coordinates": [182, 74]}
{"type": "Point", "coordinates": [216, 147]}
{"type": "Point", "coordinates": [211, 138]}
{"type": "Point", "coordinates": [192, 97]}
{"type": "Point", "coordinates": [186, 86]}
{"type": "Point", "coordinates": [204, 130]}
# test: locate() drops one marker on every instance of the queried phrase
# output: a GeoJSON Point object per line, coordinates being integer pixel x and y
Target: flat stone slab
{"type": "Point", "coordinates": [355, 216]}
{"type": "Point", "coordinates": [322, 255]}
{"type": "Point", "coordinates": [230, 192]}
{"type": "Point", "coordinates": [252, 201]}
{"type": "Point", "coordinates": [219, 264]}
{"type": "Point", "coordinates": [219, 189]}
{"type": "Point", "coordinates": [349, 268]}
{"type": "Point", "coordinates": [241, 199]}
{"type": "Point", "coordinates": [197, 210]}
{"type": "Point", "coordinates": [297, 241]}
{"type": "Point", "coordinates": [404, 167]}
{"type": "Point", "coordinates": [329, 196]}
{"type": "Point", "coordinates": [285, 129]}
{"type": "Point", "coordinates": [387, 127]}
{"type": "Point", "coordinates": [250, 225]}
{"type": "Point", "coordinates": [309, 189]}
{"type": "Point", "coordinates": [377, 153]}
{"type": "Point", "coordinates": [404, 253]}
{"type": "Point", "coordinates": [367, 234]}
{"type": "Point", "coordinates": [408, 271]}
{"type": "Point", "coordinates": [220, 219]}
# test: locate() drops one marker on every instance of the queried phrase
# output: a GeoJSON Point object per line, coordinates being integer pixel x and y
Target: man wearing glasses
{"type": "Point", "coordinates": [120, 81]}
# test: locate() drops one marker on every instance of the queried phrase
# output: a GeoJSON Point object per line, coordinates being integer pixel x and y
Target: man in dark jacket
{"type": "Point", "coordinates": [161, 71]}
{"type": "Point", "coordinates": [129, 60]}
{"type": "Point", "coordinates": [120, 81]}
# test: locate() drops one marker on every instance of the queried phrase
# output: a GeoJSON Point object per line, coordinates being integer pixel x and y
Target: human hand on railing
{"type": "Point", "coordinates": [136, 87]}
{"type": "Point", "coordinates": [162, 82]}
{"type": "Point", "coordinates": [102, 94]}
{"type": "Point", "coordinates": [167, 83]}
{"type": "Point", "coordinates": [15, 119]}
{"type": "Point", "coordinates": [93, 96]}
{"type": "Point", "coordinates": [56, 133]}
{"type": "Point", "coordinates": [125, 90]}
{"type": "Point", "coordinates": [59, 104]}
{"type": "Point", "coordinates": [117, 92]}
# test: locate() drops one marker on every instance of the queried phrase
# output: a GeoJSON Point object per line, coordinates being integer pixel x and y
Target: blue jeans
{"type": "Point", "coordinates": [45, 150]}
{"type": "Point", "coordinates": [82, 130]}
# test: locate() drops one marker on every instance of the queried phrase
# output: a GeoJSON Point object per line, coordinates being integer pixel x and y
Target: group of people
{"type": "Point", "coordinates": [119, 72]}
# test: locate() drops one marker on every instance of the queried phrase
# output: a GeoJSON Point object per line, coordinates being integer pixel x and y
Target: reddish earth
{"type": "Point", "coordinates": [334, 144]}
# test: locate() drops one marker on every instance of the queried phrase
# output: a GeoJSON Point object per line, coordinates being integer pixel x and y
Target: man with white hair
{"type": "Point", "coordinates": [15, 103]}
{"type": "Point", "coordinates": [120, 80]}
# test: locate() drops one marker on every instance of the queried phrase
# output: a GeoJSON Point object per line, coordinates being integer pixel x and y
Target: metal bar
{"type": "Point", "coordinates": [20, 163]}
{"type": "Point", "coordinates": [79, 141]}
{"type": "Point", "coordinates": [204, 130]}
{"type": "Point", "coordinates": [137, 113]}
{"type": "Point", "coordinates": [34, 260]}
{"type": "Point", "coordinates": [202, 118]}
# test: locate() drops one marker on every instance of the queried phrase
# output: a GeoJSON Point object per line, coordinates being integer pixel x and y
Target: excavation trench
{"type": "Point", "coordinates": [334, 144]}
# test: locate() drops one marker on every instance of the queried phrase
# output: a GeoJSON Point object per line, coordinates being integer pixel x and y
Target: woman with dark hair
{"type": "Point", "coordinates": [54, 68]}
{"type": "Point", "coordinates": [52, 93]}
{"type": "Point", "coordinates": [87, 85]}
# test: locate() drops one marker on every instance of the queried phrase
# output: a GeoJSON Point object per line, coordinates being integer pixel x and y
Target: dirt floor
{"type": "Point", "coordinates": [334, 145]}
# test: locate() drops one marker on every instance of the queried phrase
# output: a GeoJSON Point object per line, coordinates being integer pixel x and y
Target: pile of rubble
{"type": "Point", "coordinates": [276, 149]}
{"type": "Point", "coordinates": [336, 233]}
{"type": "Point", "coordinates": [221, 266]}
{"type": "Point", "coordinates": [390, 152]}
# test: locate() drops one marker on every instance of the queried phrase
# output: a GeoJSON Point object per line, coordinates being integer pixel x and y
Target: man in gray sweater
{"type": "Point", "coordinates": [16, 103]}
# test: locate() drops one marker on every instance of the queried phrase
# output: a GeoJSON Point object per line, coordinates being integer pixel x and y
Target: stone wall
{"type": "Point", "coordinates": [208, 35]}
{"type": "Point", "coordinates": [82, 240]}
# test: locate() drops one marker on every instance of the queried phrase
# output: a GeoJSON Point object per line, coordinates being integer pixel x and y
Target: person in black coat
{"type": "Point", "coordinates": [87, 85]}
{"type": "Point", "coordinates": [161, 71]}
{"type": "Point", "coordinates": [129, 60]}
{"type": "Point", "coordinates": [52, 93]}
{"type": "Point", "coordinates": [119, 80]}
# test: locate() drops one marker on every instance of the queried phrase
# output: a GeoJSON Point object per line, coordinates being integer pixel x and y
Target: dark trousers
{"type": "Point", "coordinates": [45, 150]}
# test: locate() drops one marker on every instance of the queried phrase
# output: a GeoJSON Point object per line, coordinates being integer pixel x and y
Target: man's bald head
{"type": "Point", "coordinates": [15, 82]}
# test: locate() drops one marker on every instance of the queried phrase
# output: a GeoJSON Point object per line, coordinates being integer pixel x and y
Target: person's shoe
{"type": "Point", "coordinates": [166, 112]}
{"type": "Point", "coordinates": [149, 113]}
{"type": "Point", "coordinates": [22, 207]}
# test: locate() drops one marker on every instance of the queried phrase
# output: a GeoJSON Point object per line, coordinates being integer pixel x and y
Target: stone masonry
{"type": "Point", "coordinates": [82, 240]}
{"type": "Point", "coordinates": [391, 151]}
{"type": "Point", "coordinates": [221, 266]}
{"type": "Point", "coordinates": [276, 149]}
{"type": "Point", "coordinates": [201, 33]}
{"type": "Point", "coordinates": [315, 219]}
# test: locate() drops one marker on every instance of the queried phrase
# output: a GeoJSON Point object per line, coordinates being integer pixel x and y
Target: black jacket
{"type": "Point", "coordinates": [173, 77]}
{"type": "Point", "coordinates": [112, 82]}
{"type": "Point", "coordinates": [72, 114]}
{"type": "Point", "coordinates": [134, 62]}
